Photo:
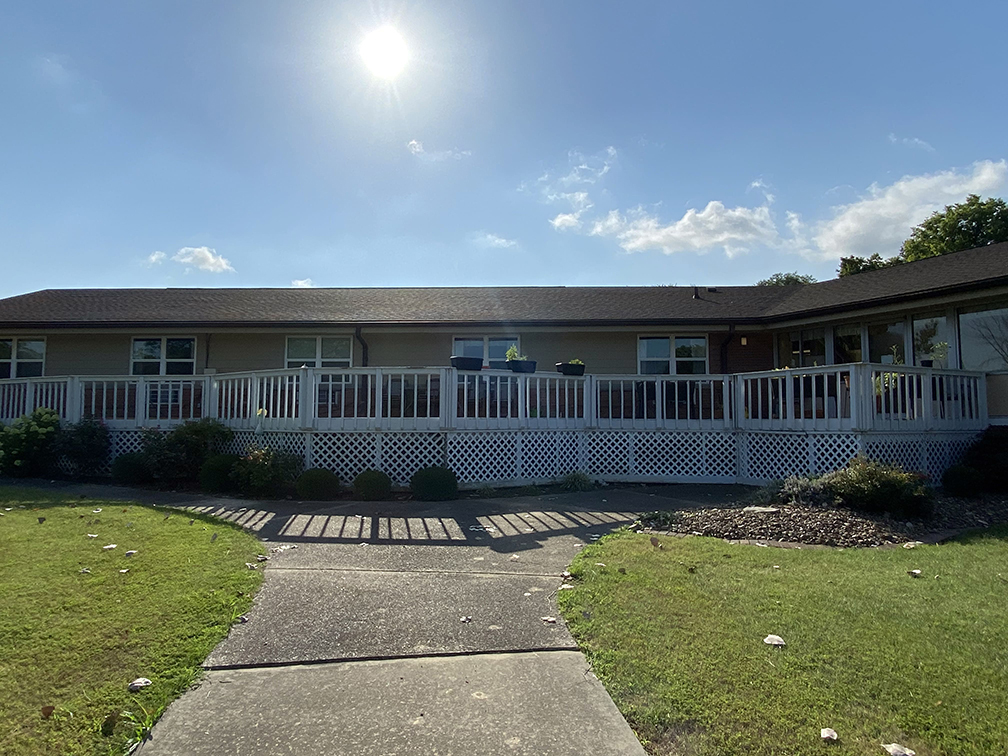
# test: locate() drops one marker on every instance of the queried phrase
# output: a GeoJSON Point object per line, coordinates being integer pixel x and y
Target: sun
{"type": "Point", "coordinates": [384, 52]}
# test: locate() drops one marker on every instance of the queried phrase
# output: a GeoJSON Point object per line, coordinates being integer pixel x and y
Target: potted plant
{"type": "Point", "coordinates": [518, 363]}
{"type": "Point", "coordinates": [571, 367]}
{"type": "Point", "coordinates": [467, 363]}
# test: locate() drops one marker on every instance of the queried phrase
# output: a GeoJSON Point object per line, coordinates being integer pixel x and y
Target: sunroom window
{"type": "Point", "coordinates": [931, 339]}
{"type": "Point", "coordinates": [983, 340]}
{"type": "Point", "coordinates": [21, 358]}
{"type": "Point", "coordinates": [318, 351]}
{"type": "Point", "coordinates": [665, 355]}
{"type": "Point", "coordinates": [491, 349]}
{"type": "Point", "coordinates": [804, 348]}
{"type": "Point", "coordinates": [166, 355]}
{"type": "Point", "coordinates": [886, 344]}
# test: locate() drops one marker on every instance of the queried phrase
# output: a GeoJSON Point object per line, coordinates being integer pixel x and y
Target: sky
{"type": "Point", "coordinates": [523, 143]}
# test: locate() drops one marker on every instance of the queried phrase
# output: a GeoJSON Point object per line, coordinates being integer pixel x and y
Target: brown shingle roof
{"type": "Point", "coordinates": [632, 305]}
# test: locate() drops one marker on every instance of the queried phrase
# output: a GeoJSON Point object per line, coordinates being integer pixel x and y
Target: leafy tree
{"type": "Point", "coordinates": [786, 279]}
{"type": "Point", "coordinates": [965, 225]}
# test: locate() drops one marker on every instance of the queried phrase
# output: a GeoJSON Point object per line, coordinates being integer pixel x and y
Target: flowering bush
{"type": "Point", "coordinates": [264, 472]}
{"type": "Point", "coordinates": [27, 444]}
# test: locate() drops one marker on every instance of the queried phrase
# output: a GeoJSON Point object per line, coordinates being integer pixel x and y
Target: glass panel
{"type": "Point", "coordinates": [29, 369]}
{"type": "Point", "coordinates": [846, 344]}
{"type": "Point", "coordinates": [654, 367]}
{"type": "Point", "coordinates": [301, 349]}
{"type": "Point", "coordinates": [333, 364]}
{"type": "Point", "coordinates": [146, 368]}
{"type": "Point", "coordinates": [180, 349]}
{"type": "Point", "coordinates": [788, 349]}
{"type": "Point", "coordinates": [885, 343]}
{"type": "Point", "coordinates": [295, 364]}
{"type": "Point", "coordinates": [5, 349]}
{"type": "Point", "coordinates": [983, 338]}
{"type": "Point", "coordinates": [468, 348]}
{"type": "Point", "coordinates": [335, 348]}
{"type": "Point", "coordinates": [690, 347]}
{"type": "Point", "coordinates": [5, 370]}
{"type": "Point", "coordinates": [178, 368]}
{"type": "Point", "coordinates": [813, 347]}
{"type": "Point", "coordinates": [147, 349]}
{"type": "Point", "coordinates": [690, 367]}
{"type": "Point", "coordinates": [931, 341]}
{"type": "Point", "coordinates": [655, 348]}
{"type": "Point", "coordinates": [498, 348]}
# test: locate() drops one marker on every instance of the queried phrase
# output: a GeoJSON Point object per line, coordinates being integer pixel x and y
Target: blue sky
{"type": "Point", "coordinates": [246, 143]}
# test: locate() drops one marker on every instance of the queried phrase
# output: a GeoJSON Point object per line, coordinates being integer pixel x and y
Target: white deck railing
{"type": "Point", "coordinates": [836, 397]}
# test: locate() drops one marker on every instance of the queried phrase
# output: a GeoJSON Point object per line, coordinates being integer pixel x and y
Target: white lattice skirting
{"type": "Point", "coordinates": [502, 457]}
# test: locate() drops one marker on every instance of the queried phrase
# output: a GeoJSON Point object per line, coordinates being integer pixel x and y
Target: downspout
{"type": "Point", "coordinates": [363, 346]}
{"type": "Point", "coordinates": [724, 348]}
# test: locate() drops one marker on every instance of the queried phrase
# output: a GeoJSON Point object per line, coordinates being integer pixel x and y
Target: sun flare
{"type": "Point", "coordinates": [384, 52]}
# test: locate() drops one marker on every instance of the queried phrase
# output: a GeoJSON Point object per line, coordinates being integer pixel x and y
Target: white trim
{"type": "Point", "coordinates": [318, 348]}
{"type": "Point", "coordinates": [164, 354]}
{"type": "Point", "coordinates": [14, 360]}
{"type": "Point", "coordinates": [672, 358]}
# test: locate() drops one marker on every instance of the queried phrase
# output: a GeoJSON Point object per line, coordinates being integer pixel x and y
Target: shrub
{"type": "Point", "coordinates": [876, 487]}
{"type": "Point", "coordinates": [963, 480]}
{"type": "Point", "coordinates": [317, 485]}
{"type": "Point", "coordinates": [195, 441]}
{"type": "Point", "coordinates": [988, 455]}
{"type": "Point", "coordinates": [86, 444]}
{"type": "Point", "coordinates": [434, 484]}
{"type": "Point", "coordinates": [576, 481]}
{"type": "Point", "coordinates": [131, 468]}
{"type": "Point", "coordinates": [28, 444]}
{"type": "Point", "coordinates": [215, 474]}
{"type": "Point", "coordinates": [810, 492]}
{"type": "Point", "coordinates": [264, 472]}
{"type": "Point", "coordinates": [372, 485]}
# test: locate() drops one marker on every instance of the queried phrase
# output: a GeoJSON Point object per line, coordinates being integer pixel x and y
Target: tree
{"type": "Point", "coordinates": [786, 279]}
{"type": "Point", "coordinates": [966, 225]}
{"type": "Point", "coordinates": [970, 224]}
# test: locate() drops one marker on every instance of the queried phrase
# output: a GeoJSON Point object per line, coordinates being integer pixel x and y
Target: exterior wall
{"type": "Point", "coordinates": [87, 354]}
{"type": "Point", "coordinates": [756, 355]}
{"type": "Point", "coordinates": [997, 395]}
{"type": "Point", "coordinates": [422, 349]}
{"type": "Point", "coordinates": [604, 353]}
{"type": "Point", "coordinates": [238, 352]}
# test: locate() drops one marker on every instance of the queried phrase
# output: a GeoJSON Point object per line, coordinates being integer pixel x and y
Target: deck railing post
{"type": "Point", "coordinates": [379, 399]}
{"type": "Point", "coordinates": [306, 395]}
{"type": "Point", "coordinates": [143, 402]}
{"type": "Point", "coordinates": [590, 401]}
{"type": "Point", "coordinates": [211, 406]}
{"type": "Point", "coordinates": [449, 397]}
{"type": "Point", "coordinates": [72, 411]}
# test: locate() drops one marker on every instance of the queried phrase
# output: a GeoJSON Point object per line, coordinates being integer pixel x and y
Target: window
{"type": "Point", "coordinates": [931, 338]}
{"type": "Point", "coordinates": [318, 351]}
{"type": "Point", "coordinates": [805, 348]}
{"type": "Point", "coordinates": [846, 344]}
{"type": "Point", "coordinates": [492, 349]}
{"type": "Point", "coordinates": [21, 358]}
{"type": "Point", "coordinates": [886, 344]}
{"type": "Point", "coordinates": [166, 355]}
{"type": "Point", "coordinates": [663, 355]}
{"type": "Point", "coordinates": [983, 340]}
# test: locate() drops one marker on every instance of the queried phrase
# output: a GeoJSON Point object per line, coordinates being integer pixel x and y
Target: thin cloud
{"type": "Point", "coordinates": [75, 91]}
{"type": "Point", "coordinates": [493, 241]}
{"type": "Point", "coordinates": [303, 283]}
{"type": "Point", "coordinates": [566, 221]}
{"type": "Point", "coordinates": [203, 258]}
{"type": "Point", "coordinates": [156, 258]}
{"type": "Point", "coordinates": [416, 148]}
{"type": "Point", "coordinates": [914, 142]}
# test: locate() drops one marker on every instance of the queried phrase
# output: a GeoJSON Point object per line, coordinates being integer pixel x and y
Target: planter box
{"type": "Point", "coordinates": [568, 368]}
{"type": "Point", "coordinates": [522, 366]}
{"type": "Point", "coordinates": [467, 363]}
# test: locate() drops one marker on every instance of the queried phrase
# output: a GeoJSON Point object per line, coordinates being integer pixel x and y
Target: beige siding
{"type": "Point", "coordinates": [406, 349]}
{"type": "Point", "coordinates": [997, 395]}
{"type": "Point", "coordinates": [238, 352]}
{"type": "Point", "coordinates": [87, 354]}
{"type": "Point", "coordinates": [602, 352]}
{"type": "Point", "coordinates": [757, 354]}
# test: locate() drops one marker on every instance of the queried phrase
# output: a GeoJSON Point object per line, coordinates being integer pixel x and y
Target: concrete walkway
{"type": "Point", "coordinates": [356, 643]}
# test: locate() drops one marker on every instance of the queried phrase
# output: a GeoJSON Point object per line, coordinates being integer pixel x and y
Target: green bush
{"type": "Point", "coordinates": [86, 444]}
{"type": "Point", "coordinates": [317, 485]}
{"type": "Point", "coordinates": [434, 484]}
{"type": "Point", "coordinates": [28, 445]}
{"type": "Point", "coordinates": [372, 485]}
{"type": "Point", "coordinates": [962, 480]}
{"type": "Point", "coordinates": [131, 469]}
{"type": "Point", "coordinates": [179, 454]}
{"type": "Point", "coordinates": [264, 472]}
{"type": "Point", "coordinates": [215, 474]}
{"type": "Point", "coordinates": [577, 481]}
{"type": "Point", "coordinates": [988, 455]}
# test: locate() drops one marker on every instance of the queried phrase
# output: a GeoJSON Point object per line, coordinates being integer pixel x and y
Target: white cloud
{"type": "Point", "coordinates": [416, 147]}
{"type": "Point", "coordinates": [566, 221]}
{"type": "Point", "coordinates": [763, 187]}
{"type": "Point", "coordinates": [734, 229]}
{"type": "Point", "coordinates": [303, 283]}
{"type": "Point", "coordinates": [493, 241]}
{"type": "Point", "coordinates": [588, 170]}
{"type": "Point", "coordinates": [911, 142]}
{"type": "Point", "coordinates": [882, 219]}
{"type": "Point", "coordinates": [203, 258]}
{"type": "Point", "coordinates": [156, 258]}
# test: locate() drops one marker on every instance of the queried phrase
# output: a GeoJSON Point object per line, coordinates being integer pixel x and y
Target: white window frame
{"type": "Point", "coordinates": [14, 358]}
{"type": "Point", "coordinates": [164, 355]}
{"type": "Point", "coordinates": [672, 358]}
{"type": "Point", "coordinates": [516, 340]}
{"type": "Point", "coordinates": [318, 349]}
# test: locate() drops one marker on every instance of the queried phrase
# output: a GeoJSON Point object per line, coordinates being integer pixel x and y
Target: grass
{"type": "Point", "coordinates": [875, 654]}
{"type": "Point", "coordinates": [74, 640]}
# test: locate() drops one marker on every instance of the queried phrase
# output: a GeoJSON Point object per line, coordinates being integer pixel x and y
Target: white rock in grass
{"type": "Point", "coordinates": [914, 573]}
{"type": "Point", "coordinates": [895, 749]}
{"type": "Point", "coordinates": [92, 535]}
{"type": "Point", "coordinates": [827, 733]}
{"type": "Point", "coordinates": [131, 552]}
{"type": "Point", "coordinates": [774, 640]}
{"type": "Point", "coordinates": [110, 546]}
{"type": "Point", "coordinates": [139, 684]}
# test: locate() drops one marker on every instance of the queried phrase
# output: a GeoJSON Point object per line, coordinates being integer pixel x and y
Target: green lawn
{"type": "Point", "coordinates": [875, 654]}
{"type": "Point", "coordinates": [75, 640]}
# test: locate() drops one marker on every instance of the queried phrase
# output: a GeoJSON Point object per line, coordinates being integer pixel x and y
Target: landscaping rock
{"type": "Point", "coordinates": [827, 733]}
{"type": "Point", "coordinates": [895, 749]}
{"type": "Point", "coordinates": [139, 684]}
{"type": "Point", "coordinates": [774, 640]}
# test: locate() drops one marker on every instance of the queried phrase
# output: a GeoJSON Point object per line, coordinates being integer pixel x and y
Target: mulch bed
{"type": "Point", "coordinates": [829, 526]}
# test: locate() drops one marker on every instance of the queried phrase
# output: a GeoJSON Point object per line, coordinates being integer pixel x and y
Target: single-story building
{"type": "Point", "coordinates": [682, 383]}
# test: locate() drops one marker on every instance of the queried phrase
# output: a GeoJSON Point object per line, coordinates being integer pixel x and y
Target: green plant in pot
{"type": "Point", "coordinates": [518, 363]}
{"type": "Point", "coordinates": [571, 367]}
